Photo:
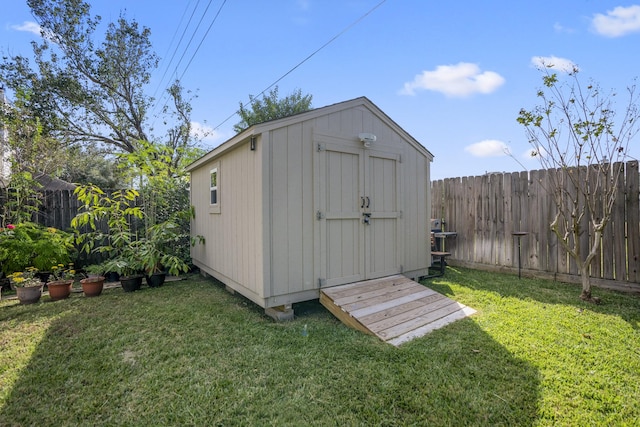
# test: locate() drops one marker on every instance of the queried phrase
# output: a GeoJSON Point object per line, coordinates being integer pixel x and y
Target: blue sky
{"type": "Point", "coordinates": [453, 74]}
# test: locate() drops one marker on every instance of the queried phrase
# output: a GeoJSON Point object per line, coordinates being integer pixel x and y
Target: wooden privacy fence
{"type": "Point", "coordinates": [58, 209]}
{"type": "Point", "coordinates": [486, 210]}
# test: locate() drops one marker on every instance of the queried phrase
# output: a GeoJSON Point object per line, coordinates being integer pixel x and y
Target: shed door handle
{"type": "Point", "coordinates": [361, 202]}
{"type": "Point", "coordinates": [368, 201]}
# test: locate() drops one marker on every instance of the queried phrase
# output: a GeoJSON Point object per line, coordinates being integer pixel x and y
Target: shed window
{"type": "Point", "coordinates": [213, 188]}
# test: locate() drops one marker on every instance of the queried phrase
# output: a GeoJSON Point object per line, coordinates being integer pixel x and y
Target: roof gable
{"type": "Point", "coordinates": [260, 128]}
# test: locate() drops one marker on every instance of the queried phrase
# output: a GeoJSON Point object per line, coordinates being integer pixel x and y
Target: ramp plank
{"type": "Point", "coordinates": [395, 309]}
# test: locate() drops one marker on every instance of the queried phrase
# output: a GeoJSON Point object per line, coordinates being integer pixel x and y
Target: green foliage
{"type": "Point", "coordinates": [117, 210]}
{"type": "Point", "coordinates": [90, 164]}
{"type": "Point", "coordinates": [164, 191]}
{"type": "Point", "coordinates": [27, 244]}
{"type": "Point", "coordinates": [158, 249]}
{"type": "Point", "coordinates": [32, 147]}
{"type": "Point", "coordinates": [89, 88]}
{"type": "Point", "coordinates": [271, 108]}
{"type": "Point", "coordinates": [20, 199]}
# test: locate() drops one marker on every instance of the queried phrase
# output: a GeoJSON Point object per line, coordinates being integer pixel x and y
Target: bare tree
{"type": "Point", "coordinates": [576, 135]}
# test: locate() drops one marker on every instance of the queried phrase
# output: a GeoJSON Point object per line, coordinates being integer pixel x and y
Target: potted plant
{"type": "Point", "coordinates": [118, 210]}
{"type": "Point", "coordinates": [156, 253]}
{"type": "Point", "coordinates": [128, 266]}
{"type": "Point", "coordinates": [60, 287]}
{"type": "Point", "coordinates": [28, 286]}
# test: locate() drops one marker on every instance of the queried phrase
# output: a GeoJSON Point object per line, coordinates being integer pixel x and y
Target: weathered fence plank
{"type": "Point", "coordinates": [615, 239]}
{"type": "Point", "coordinates": [507, 220]}
{"type": "Point", "coordinates": [633, 222]}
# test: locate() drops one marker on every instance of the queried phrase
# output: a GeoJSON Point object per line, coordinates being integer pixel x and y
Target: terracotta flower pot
{"type": "Point", "coordinates": [92, 286]}
{"type": "Point", "coordinates": [59, 289]}
{"type": "Point", "coordinates": [29, 295]}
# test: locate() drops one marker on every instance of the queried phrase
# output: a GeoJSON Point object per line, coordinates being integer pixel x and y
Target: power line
{"type": "Point", "coordinates": [175, 71]}
{"type": "Point", "coordinates": [203, 37]}
{"type": "Point", "coordinates": [177, 45]}
{"type": "Point", "coordinates": [347, 28]}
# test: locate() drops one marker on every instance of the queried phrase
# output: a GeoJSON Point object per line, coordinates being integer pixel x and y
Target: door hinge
{"type": "Point", "coordinates": [322, 282]}
{"type": "Point", "coordinates": [401, 269]}
{"type": "Point", "coordinates": [319, 215]}
{"type": "Point", "coordinates": [320, 147]}
{"type": "Point", "coordinates": [400, 214]}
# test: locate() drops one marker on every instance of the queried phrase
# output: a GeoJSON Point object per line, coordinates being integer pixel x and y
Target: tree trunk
{"type": "Point", "coordinates": [585, 295]}
{"type": "Point", "coordinates": [586, 283]}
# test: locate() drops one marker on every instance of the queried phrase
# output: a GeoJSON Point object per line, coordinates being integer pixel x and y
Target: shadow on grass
{"type": "Point", "coordinates": [190, 354]}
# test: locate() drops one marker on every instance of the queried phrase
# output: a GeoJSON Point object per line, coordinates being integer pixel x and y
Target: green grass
{"type": "Point", "coordinates": [189, 353]}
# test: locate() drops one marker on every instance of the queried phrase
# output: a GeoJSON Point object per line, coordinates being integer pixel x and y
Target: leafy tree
{"type": "Point", "coordinates": [88, 89]}
{"type": "Point", "coordinates": [575, 133]}
{"type": "Point", "coordinates": [271, 108]}
{"type": "Point", "coordinates": [20, 199]}
{"type": "Point", "coordinates": [32, 147]}
{"type": "Point", "coordinates": [91, 164]}
{"type": "Point", "coordinates": [164, 189]}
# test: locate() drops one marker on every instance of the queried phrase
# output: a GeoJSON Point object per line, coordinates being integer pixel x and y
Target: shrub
{"type": "Point", "coordinates": [28, 244]}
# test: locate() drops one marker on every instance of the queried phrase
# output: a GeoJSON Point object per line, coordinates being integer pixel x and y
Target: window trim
{"type": "Point", "coordinates": [214, 207]}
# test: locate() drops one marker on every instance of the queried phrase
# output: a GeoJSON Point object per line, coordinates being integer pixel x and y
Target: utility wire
{"type": "Point", "coordinates": [175, 71]}
{"type": "Point", "coordinates": [347, 28]}
{"type": "Point", "coordinates": [191, 39]}
{"type": "Point", "coordinates": [203, 37]}
{"type": "Point", "coordinates": [177, 46]}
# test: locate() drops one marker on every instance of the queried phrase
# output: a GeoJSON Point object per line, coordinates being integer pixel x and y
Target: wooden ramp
{"type": "Point", "coordinates": [395, 309]}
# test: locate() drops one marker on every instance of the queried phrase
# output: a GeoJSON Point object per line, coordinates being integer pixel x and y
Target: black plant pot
{"type": "Point", "coordinates": [111, 277]}
{"type": "Point", "coordinates": [131, 283]}
{"type": "Point", "coordinates": [43, 276]}
{"type": "Point", "coordinates": [156, 279]}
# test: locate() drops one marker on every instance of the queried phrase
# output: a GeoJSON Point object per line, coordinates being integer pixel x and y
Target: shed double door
{"type": "Point", "coordinates": [358, 213]}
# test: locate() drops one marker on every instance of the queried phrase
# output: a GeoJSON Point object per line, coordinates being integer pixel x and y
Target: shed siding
{"type": "Point", "coordinates": [265, 242]}
{"type": "Point", "coordinates": [292, 215]}
{"type": "Point", "coordinates": [415, 215]}
{"type": "Point", "coordinates": [233, 238]}
{"type": "Point", "coordinates": [295, 257]}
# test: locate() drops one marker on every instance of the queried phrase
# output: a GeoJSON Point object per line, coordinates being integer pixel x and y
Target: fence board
{"type": "Point", "coordinates": [615, 240]}
{"type": "Point", "coordinates": [507, 220]}
{"type": "Point", "coordinates": [533, 226]}
{"type": "Point", "coordinates": [633, 222]}
{"type": "Point", "coordinates": [553, 249]}
{"type": "Point", "coordinates": [595, 184]}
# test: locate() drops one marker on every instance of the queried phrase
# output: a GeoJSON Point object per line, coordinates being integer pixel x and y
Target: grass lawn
{"type": "Point", "coordinates": [189, 353]}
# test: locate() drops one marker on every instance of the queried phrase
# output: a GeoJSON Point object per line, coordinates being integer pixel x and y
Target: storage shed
{"type": "Point", "coordinates": [335, 195]}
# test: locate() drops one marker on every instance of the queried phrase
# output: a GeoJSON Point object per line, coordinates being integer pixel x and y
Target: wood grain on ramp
{"type": "Point", "coordinates": [395, 309]}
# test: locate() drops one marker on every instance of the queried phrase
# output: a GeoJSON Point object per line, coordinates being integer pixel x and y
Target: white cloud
{"type": "Point", "coordinates": [460, 80]}
{"type": "Point", "coordinates": [617, 22]}
{"type": "Point", "coordinates": [28, 26]}
{"type": "Point", "coordinates": [204, 132]}
{"type": "Point", "coordinates": [559, 28]}
{"type": "Point", "coordinates": [555, 63]}
{"type": "Point", "coordinates": [488, 148]}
